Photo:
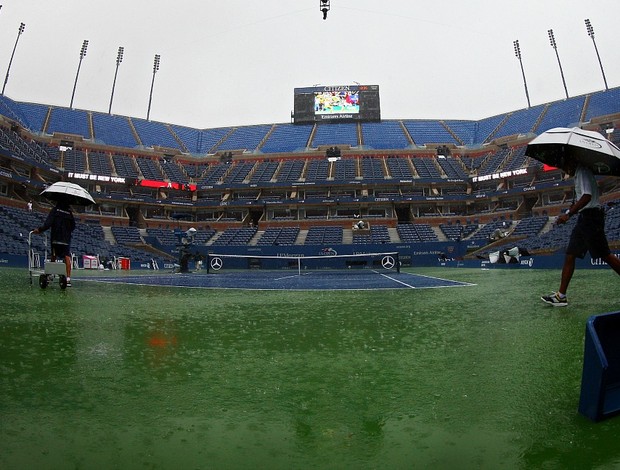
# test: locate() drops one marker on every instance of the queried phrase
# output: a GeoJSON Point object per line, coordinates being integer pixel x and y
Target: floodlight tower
{"type": "Point", "coordinates": [324, 7]}
{"type": "Point", "coordinates": [155, 69]}
{"type": "Point", "coordinates": [555, 47]}
{"type": "Point", "coordinates": [22, 26]}
{"type": "Point", "coordinates": [590, 30]}
{"type": "Point", "coordinates": [518, 55]}
{"type": "Point", "coordinates": [119, 59]}
{"type": "Point", "coordinates": [77, 74]}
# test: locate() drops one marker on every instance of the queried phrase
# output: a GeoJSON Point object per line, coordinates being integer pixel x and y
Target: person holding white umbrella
{"type": "Point", "coordinates": [588, 233]}
{"type": "Point", "coordinates": [61, 220]}
{"type": "Point", "coordinates": [62, 223]}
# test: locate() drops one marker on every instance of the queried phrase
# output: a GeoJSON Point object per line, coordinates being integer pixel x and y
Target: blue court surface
{"type": "Point", "coordinates": [288, 280]}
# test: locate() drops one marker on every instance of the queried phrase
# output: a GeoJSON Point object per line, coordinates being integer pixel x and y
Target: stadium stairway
{"type": "Point", "coordinates": [301, 237]}
{"type": "Point", "coordinates": [440, 235]}
{"type": "Point", "coordinates": [108, 236]}
{"type": "Point", "coordinates": [393, 233]}
{"type": "Point", "coordinates": [257, 236]}
{"type": "Point", "coordinates": [347, 236]}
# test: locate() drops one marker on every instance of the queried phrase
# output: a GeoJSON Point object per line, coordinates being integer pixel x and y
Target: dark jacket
{"type": "Point", "coordinates": [62, 223]}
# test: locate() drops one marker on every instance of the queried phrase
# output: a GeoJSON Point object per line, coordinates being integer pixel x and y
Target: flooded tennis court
{"type": "Point", "coordinates": [127, 375]}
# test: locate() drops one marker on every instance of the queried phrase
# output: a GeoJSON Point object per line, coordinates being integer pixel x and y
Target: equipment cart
{"type": "Point", "coordinates": [50, 270]}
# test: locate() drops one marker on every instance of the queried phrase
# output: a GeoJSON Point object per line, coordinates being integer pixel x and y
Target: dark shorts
{"type": "Point", "coordinates": [589, 235]}
{"type": "Point", "coordinates": [59, 251]}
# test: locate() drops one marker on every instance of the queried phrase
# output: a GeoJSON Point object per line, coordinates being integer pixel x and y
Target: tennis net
{"type": "Point", "coordinates": [388, 261]}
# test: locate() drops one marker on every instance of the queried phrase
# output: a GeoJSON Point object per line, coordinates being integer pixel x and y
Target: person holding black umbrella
{"type": "Point", "coordinates": [588, 233]}
{"type": "Point", "coordinates": [62, 223]}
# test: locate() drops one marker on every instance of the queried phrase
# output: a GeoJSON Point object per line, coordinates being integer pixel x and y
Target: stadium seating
{"type": "Point", "coordinates": [70, 121]}
{"type": "Point", "coordinates": [384, 135]}
{"type": "Point", "coordinates": [324, 236]}
{"type": "Point", "coordinates": [99, 164]}
{"type": "Point", "coordinates": [153, 133]}
{"type": "Point", "coordinates": [264, 172]}
{"type": "Point", "coordinates": [280, 165]}
{"type": "Point", "coordinates": [423, 131]}
{"type": "Point", "coordinates": [245, 138]}
{"type": "Point", "coordinates": [335, 134]}
{"type": "Point", "coordinates": [113, 130]}
{"type": "Point", "coordinates": [378, 235]}
{"type": "Point", "coordinates": [458, 231]}
{"type": "Point", "coordinates": [235, 236]}
{"type": "Point", "coordinates": [399, 167]}
{"type": "Point", "coordinates": [279, 236]}
{"type": "Point", "coordinates": [603, 103]}
{"type": "Point", "coordinates": [287, 138]}
{"type": "Point", "coordinates": [416, 233]}
{"type": "Point", "coordinates": [565, 113]}
{"type": "Point", "coordinates": [520, 122]}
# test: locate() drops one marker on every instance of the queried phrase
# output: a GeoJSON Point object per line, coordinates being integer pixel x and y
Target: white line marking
{"type": "Point", "coordinates": [395, 280]}
{"type": "Point", "coordinates": [290, 277]}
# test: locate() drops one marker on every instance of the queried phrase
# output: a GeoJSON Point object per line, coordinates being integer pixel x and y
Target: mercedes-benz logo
{"type": "Point", "coordinates": [216, 263]}
{"type": "Point", "coordinates": [388, 262]}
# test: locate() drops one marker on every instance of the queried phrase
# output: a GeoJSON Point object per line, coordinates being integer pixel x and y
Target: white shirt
{"type": "Point", "coordinates": [585, 183]}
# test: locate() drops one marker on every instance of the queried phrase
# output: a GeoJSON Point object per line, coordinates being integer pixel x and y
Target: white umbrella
{"type": "Point", "coordinates": [69, 193]}
{"type": "Point", "coordinates": [557, 146]}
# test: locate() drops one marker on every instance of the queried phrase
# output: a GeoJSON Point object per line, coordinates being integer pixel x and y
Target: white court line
{"type": "Point", "coordinates": [395, 280]}
{"type": "Point", "coordinates": [447, 280]}
{"type": "Point", "coordinates": [290, 277]}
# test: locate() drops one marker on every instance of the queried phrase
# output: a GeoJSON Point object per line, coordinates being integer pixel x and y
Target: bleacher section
{"type": "Point", "coordinates": [283, 138]}
{"type": "Point", "coordinates": [412, 179]}
{"type": "Point", "coordinates": [69, 121]}
{"type": "Point", "coordinates": [458, 231]}
{"type": "Point", "coordinates": [153, 133]}
{"type": "Point", "coordinates": [279, 236]}
{"type": "Point", "coordinates": [388, 135]}
{"type": "Point", "coordinates": [324, 236]}
{"type": "Point", "coordinates": [336, 134]}
{"type": "Point", "coordinates": [429, 132]}
{"type": "Point", "coordinates": [416, 233]}
{"type": "Point", "coordinates": [378, 235]}
{"type": "Point", "coordinates": [235, 236]}
{"type": "Point", "coordinates": [245, 138]}
{"type": "Point", "coordinates": [287, 138]}
{"type": "Point", "coordinates": [113, 130]}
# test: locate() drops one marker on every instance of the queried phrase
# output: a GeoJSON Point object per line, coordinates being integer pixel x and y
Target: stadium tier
{"type": "Point", "coordinates": [423, 188]}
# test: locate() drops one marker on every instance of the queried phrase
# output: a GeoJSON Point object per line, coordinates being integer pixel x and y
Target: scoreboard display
{"type": "Point", "coordinates": [339, 103]}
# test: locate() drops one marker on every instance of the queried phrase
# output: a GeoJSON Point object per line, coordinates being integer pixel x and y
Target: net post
{"type": "Point", "coordinates": [397, 263]}
{"type": "Point", "coordinates": [299, 265]}
{"type": "Point", "coordinates": [208, 261]}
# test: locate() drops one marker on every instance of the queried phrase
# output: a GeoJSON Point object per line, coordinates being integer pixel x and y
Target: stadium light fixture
{"type": "Point", "coordinates": [518, 55]}
{"type": "Point", "coordinates": [119, 59]}
{"type": "Point", "coordinates": [83, 51]}
{"type": "Point", "coordinates": [22, 26]}
{"type": "Point", "coordinates": [324, 7]}
{"type": "Point", "coordinates": [590, 30]}
{"type": "Point", "coordinates": [555, 47]}
{"type": "Point", "coordinates": [155, 69]}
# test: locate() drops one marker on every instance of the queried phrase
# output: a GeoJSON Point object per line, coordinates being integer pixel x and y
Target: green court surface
{"type": "Point", "coordinates": [129, 376]}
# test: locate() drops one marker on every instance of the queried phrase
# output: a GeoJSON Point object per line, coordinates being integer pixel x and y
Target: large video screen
{"type": "Point", "coordinates": [336, 102]}
{"type": "Point", "coordinates": [340, 103]}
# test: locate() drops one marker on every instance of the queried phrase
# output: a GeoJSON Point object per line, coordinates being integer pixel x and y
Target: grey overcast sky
{"type": "Point", "coordinates": [236, 62]}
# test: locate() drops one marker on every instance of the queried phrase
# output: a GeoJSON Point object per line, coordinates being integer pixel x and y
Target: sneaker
{"type": "Point", "coordinates": [555, 300]}
{"type": "Point", "coordinates": [68, 282]}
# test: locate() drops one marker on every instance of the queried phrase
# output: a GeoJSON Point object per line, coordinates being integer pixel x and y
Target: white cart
{"type": "Point", "coordinates": [45, 271]}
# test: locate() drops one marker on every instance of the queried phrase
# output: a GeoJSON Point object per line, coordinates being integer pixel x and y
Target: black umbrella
{"type": "Point", "coordinates": [560, 145]}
